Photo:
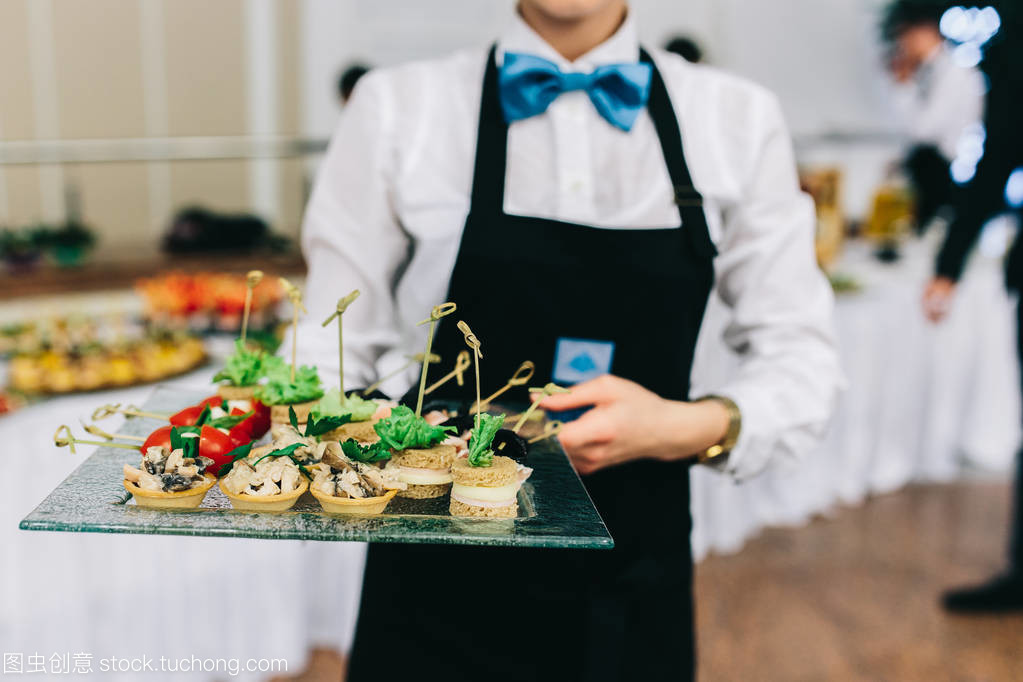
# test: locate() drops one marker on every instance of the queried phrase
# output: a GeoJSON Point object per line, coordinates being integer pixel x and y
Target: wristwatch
{"type": "Point", "coordinates": [720, 450]}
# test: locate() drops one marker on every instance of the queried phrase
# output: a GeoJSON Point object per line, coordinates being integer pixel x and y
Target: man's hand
{"type": "Point", "coordinates": [628, 422]}
{"type": "Point", "coordinates": [937, 297]}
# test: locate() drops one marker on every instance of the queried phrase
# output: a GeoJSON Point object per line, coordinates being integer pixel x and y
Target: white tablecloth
{"type": "Point", "coordinates": [131, 596]}
{"type": "Point", "coordinates": [921, 401]}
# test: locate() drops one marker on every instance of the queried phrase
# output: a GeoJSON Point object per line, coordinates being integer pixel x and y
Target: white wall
{"type": "Point", "coordinates": [821, 57]}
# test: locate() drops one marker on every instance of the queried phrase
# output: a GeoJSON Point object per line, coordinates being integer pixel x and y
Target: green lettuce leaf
{"type": "Point", "coordinates": [482, 437]}
{"type": "Point", "coordinates": [243, 368]}
{"type": "Point", "coordinates": [403, 430]}
{"type": "Point", "coordinates": [281, 390]}
{"type": "Point", "coordinates": [355, 450]}
{"type": "Point", "coordinates": [333, 404]}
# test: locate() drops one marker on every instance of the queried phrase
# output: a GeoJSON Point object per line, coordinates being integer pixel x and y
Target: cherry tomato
{"type": "Point", "coordinates": [158, 438]}
{"type": "Point", "coordinates": [216, 445]}
{"type": "Point", "coordinates": [255, 426]}
{"type": "Point", "coordinates": [187, 417]}
{"type": "Point", "coordinates": [190, 415]}
{"type": "Point", "coordinates": [212, 401]}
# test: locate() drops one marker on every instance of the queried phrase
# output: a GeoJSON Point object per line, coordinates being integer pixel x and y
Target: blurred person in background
{"type": "Point", "coordinates": [347, 80]}
{"type": "Point", "coordinates": [996, 187]}
{"type": "Point", "coordinates": [685, 47]}
{"type": "Point", "coordinates": [576, 196]}
{"type": "Point", "coordinates": [936, 99]}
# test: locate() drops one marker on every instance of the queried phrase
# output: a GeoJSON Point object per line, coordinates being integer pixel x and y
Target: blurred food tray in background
{"type": "Point", "coordinates": [122, 275]}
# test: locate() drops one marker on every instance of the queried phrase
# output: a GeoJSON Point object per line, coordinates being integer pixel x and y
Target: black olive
{"type": "Point", "coordinates": [463, 422]}
{"type": "Point", "coordinates": [514, 445]}
{"type": "Point", "coordinates": [175, 483]}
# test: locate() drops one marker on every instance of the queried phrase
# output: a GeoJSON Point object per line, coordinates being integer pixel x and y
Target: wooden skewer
{"type": "Point", "coordinates": [97, 431]}
{"type": "Point", "coordinates": [436, 314]}
{"type": "Point", "coordinates": [413, 359]}
{"type": "Point", "coordinates": [550, 429]}
{"type": "Point", "coordinates": [342, 306]}
{"type": "Point", "coordinates": [550, 389]}
{"type": "Point", "coordinates": [63, 438]}
{"type": "Point", "coordinates": [522, 375]}
{"type": "Point", "coordinates": [104, 411]}
{"type": "Point", "coordinates": [295, 295]}
{"type": "Point", "coordinates": [462, 363]}
{"type": "Point", "coordinates": [474, 344]}
{"type": "Point", "coordinates": [252, 279]}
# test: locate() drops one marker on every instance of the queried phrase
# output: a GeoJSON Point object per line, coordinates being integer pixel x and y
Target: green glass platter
{"type": "Point", "coordinates": [555, 510]}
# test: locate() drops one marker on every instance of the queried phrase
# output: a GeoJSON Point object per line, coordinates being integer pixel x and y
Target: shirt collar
{"type": "Point", "coordinates": [621, 48]}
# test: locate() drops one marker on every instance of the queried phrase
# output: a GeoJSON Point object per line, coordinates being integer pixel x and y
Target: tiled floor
{"type": "Point", "coordinates": [853, 597]}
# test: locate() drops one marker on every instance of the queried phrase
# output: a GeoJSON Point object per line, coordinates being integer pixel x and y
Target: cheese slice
{"type": "Point", "coordinates": [424, 476]}
{"type": "Point", "coordinates": [504, 493]}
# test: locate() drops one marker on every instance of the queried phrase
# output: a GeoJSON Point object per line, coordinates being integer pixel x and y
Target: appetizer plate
{"type": "Point", "coordinates": [555, 510]}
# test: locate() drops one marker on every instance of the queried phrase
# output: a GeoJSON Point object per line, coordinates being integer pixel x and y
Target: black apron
{"type": "Point", "coordinates": [463, 613]}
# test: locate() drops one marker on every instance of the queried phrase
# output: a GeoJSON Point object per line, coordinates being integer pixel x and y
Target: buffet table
{"type": "Point", "coordinates": [922, 401]}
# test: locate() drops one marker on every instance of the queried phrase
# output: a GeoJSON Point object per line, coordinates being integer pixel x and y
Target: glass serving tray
{"type": "Point", "coordinates": [554, 508]}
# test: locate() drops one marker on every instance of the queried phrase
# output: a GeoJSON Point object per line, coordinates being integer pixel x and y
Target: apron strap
{"type": "Point", "coordinates": [491, 145]}
{"type": "Point", "coordinates": [687, 197]}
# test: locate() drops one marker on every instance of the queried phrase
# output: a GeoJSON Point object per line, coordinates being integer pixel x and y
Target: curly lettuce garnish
{"type": "Point", "coordinates": [336, 404]}
{"type": "Point", "coordinates": [358, 452]}
{"type": "Point", "coordinates": [244, 368]}
{"type": "Point", "coordinates": [281, 390]}
{"type": "Point", "coordinates": [482, 437]}
{"type": "Point", "coordinates": [403, 430]}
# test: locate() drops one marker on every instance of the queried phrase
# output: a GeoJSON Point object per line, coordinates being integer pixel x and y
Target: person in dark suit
{"type": "Point", "coordinates": [989, 193]}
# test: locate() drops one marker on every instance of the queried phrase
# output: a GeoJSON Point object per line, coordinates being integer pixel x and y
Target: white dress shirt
{"type": "Point", "coordinates": [391, 198]}
{"type": "Point", "coordinates": [941, 102]}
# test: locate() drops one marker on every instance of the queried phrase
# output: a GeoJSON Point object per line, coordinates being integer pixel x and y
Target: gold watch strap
{"type": "Point", "coordinates": [721, 449]}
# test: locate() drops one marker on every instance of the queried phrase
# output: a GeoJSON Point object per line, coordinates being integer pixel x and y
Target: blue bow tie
{"type": "Point", "coordinates": [528, 84]}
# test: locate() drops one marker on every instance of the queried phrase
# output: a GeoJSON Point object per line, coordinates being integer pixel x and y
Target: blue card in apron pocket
{"type": "Point", "coordinates": [579, 360]}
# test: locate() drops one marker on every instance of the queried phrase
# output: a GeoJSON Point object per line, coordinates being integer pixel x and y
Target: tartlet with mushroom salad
{"type": "Point", "coordinates": [268, 479]}
{"type": "Point", "coordinates": [171, 478]}
{"type": "Point", "coordinates": [345, 480]}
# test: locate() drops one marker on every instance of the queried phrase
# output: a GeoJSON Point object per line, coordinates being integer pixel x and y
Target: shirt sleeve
{"type": "Point", "coordinates": [351, 239]}
{"type": "Point", "coordinates": [781, 308]}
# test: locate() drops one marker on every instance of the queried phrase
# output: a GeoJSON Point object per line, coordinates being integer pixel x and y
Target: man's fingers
{"type": "Point", "coordinates": [592, 392]}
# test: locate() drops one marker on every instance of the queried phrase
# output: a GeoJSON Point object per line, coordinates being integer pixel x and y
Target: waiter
{"type": "Point", "coordinates": [937, 100]}
{"type": "Point", "coordinates": [580, 198]}
{"type": "Point", "coordinates": [989, 193]}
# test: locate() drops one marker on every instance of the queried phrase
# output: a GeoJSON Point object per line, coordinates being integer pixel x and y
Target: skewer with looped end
{"type": "Point", "coordinates": [97, 431]}
{"type": "Point", "coordinates": [342, 306]}
{"type": "Point", "coordinates": [104, 411]}
{"type": "Point", "coordinates": [474, 344]}
{"type": "Point", "coordinates": [63, 438]}
{"type": "Point", "coordinates": [252, 280]}
{"type": "Point", "coordinates": [412, 360]}
{"type": "Point", "coordinates": [295, 296]}
{"type": "Point", "coordinates": [522, 375]}
{"type": "Point", "coordinates": [462, 363]}
{"type": "Point", "coordinates": [550, 389]}
{"type": "Point", "coordinates": [439, 311]}
{"type": "Point", "coordinates": [551, 428]}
